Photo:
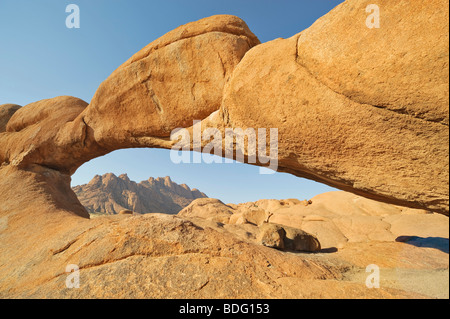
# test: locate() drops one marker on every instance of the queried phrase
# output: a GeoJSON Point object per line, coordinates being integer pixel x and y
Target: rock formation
{"type": "Point", "coordinates": [6, 111]}
{"type": "Point", "coordinates": [272, 235]}
{"type": "Point", "coordinates": [393, 149]}
{"type": "Point", "coordinates": [109, 194]}
{"type": "Point", "coordinates": [253, 223]}
{"type": "Point", "coordinates": [364, 110]}
{"type": "Point", "coordinates": [208, 208]}
{"type": "Point", "coordinates": [333, 219]}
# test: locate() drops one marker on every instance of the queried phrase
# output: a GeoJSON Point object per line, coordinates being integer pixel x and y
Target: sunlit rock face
{"type": "Point", "coordinates": [363, 110]}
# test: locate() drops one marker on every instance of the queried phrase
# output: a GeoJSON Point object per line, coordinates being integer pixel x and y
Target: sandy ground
{"type": "Point", "coordinates": [433, 283]}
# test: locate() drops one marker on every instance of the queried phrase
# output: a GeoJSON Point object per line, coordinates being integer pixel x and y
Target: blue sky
{"type": "Point", "coordinates": [40, 58]}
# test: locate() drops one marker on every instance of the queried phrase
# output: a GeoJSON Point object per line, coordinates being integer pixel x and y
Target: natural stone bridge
{"type": "Point", "coordinates": [363, 110]}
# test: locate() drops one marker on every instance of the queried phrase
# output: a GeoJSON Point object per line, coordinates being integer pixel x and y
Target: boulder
{"type": "Point", "coordinates": [272, 235]}
{"type": "Point", "coordinates": [299, 240]}
{"type": "Point", "coordinates": [287, 238]}
{"type": "Point", "coordinates": [255, 216]}
{"type": "Point", "coordinates": [126, 212]}
{"type": "Point", "coordinates": [6, 112]}
{"type": "Point", "coordinates": [208, 208]}
{"type": "Point", "coordinates": [33, 135]}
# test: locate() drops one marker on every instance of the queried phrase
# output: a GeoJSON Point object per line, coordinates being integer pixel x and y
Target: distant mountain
{"type": "Point", "coordinates": [109, 194]}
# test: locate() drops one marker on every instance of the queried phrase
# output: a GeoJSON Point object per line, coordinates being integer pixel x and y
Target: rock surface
{"type": "Point", "coordinates": [272, 235]}
{"type": "Point", "coordinates": [393, 150]}
{"type": "Point", "coordinates": [414, 84]}
{"type": "Point", "coordinates": [167, 256]}
{"type": "Point", "coordinates": [362, 110]}
{"type": "Point", "coordinates": [6, 112]}
{"type": "Point", "coordinates": [109, 194]}
{"type": "Point", "coordinates": [208, 208]}
{"type": "Point", "coordinates": [174, 80]}
{"type": "Point", "coordinates": [299, 240]}
{"type": "Point", "coordinates": [34, 135]}
{"type": "Point", "coordinates": [333, 219]}
{"type": "Point", "coordinates": [365, 110]}
{"type": "Point", "coordinates": [126, 212]}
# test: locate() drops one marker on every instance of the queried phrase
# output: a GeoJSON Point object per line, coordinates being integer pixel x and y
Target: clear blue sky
{"type": "Point", "coordinates": [40, 58]}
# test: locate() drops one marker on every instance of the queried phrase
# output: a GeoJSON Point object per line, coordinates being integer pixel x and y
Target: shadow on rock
{"type": "Point", "coordinates": [430, 242]}
{"type": "Point", "coordinates": [329, 250]}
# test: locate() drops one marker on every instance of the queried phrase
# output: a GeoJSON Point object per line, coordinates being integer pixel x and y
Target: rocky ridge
{"type": "Point", "coordinates": [109, 194]}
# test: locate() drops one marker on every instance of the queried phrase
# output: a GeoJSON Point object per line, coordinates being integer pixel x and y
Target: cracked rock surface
{"type": "Point", "coordinates": [362, 110]}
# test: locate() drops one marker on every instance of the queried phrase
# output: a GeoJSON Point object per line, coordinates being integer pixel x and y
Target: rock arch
{"type": "Point", "coordinates": [365, 111]}
{"type": "Point", "coordinates": [379, 141]}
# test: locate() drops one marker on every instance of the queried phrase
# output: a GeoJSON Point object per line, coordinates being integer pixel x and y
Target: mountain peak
{"type": "Point", "coordinates": [96, 180]}
{"type": "Point", "coordinates": [168, 182]}
{"type": "Point", "coordinates": [109, 176]}
{"type": "Point", "coordinates": [124, 177]}
{"type": "Point", "coordinates": [110, 194]}
{"type": "Point", "coordinates": [186, 187]}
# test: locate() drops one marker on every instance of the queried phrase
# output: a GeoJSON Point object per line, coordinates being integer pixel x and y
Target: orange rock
{"type": "Point", "coordinates": [365, 110]}
{"type": "Point", "coordinates": [372, 120]}
{"type": "Point", "coordinates": [209, 209]}
{"type": "Point", "coordinates": [174, 80]}
{"type": "Point", "coordinates": [6, 112]}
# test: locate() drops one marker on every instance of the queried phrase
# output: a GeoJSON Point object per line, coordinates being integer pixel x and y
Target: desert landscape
{"type": "Point", "coordinates": [340, 232]}
{"type": "Point", "coordinates": [359, 109]}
